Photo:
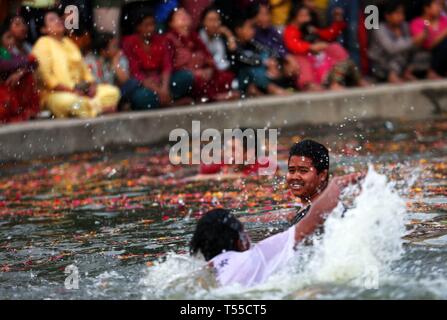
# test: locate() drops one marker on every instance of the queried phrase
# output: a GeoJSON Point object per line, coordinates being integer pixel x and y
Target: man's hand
{"type": "Point", "coordinates": [343, 181]}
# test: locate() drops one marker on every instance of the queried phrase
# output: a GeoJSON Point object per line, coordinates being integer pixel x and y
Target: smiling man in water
{"type": "Point", "coordinates": [307, 174]}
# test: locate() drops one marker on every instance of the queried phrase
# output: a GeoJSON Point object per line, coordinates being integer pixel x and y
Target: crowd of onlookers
{"type": "Point", "coordinates": [168, 53]}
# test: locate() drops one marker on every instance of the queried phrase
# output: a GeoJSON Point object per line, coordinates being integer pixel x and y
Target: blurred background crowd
{"type": "Point", "coordinates": [143, 55]}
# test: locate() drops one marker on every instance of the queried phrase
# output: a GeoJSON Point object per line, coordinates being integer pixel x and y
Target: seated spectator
{"type": "Point", "coordinates": [68, 87]}
{"type": "Point", "coordinates": [151, 63]}
{"type": "Point", "coordinates": [269, 39]}
{"type": "Point", "coordinates": [434, 23]}
{"type": "Point", "coordinates": [216, 37]}
{"type": "Point", "coordinates": [321, 61]}
{"type": "Point", "coordinates": [190, 53]}
{"type": "Point", "coordinates": [19, 30]}
{"type": "Point", "coordinates": [253, 65]}
{"type": "Point", "coordinates": [109, 65]}
{"type": "Point", "coordinates": [392, 48]}
{"type": "Point", "coordinates": [19, 98]}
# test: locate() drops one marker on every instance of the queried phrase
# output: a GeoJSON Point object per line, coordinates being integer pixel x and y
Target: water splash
{"type": "Point", "coordinates": [366, 240]}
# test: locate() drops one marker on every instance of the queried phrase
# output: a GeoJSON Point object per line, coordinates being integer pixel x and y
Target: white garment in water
{"type": "Point", "coordinates": [255, 265]}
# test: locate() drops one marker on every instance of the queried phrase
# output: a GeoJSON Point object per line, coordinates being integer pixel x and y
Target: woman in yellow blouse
{"type": "Point", "coordinates": [68, 87]}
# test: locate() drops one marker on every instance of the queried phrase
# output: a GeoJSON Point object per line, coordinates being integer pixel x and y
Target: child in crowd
{"type": "Point", "coordinates": [269, 39]}
{"type": "Point", "coordinates": [109, 65]}
{"type": "Point", "coordinates": [392, 48]}
{"type": "Point", "coordinates": [256, 71]}
{"type": "Point", "coordinates": [434, 22]}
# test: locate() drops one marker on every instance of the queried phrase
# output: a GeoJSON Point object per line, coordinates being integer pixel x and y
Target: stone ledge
{"type": "Point", "coordinates": [46, 138]}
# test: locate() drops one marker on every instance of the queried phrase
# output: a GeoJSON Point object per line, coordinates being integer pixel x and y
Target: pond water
{"type": "Point", "coordinates": [125, 218]}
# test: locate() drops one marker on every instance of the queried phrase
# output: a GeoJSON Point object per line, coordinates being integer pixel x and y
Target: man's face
{"type": "Point", "coordinates": [303, 179]}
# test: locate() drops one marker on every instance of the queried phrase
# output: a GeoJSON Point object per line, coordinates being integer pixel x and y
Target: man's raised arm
{"type": "Point", "coordinates": [324, 205]}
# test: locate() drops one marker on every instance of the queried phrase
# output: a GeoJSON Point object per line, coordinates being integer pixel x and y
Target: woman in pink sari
{"type": "Point", "coordinates": [433, 23]}
{"type": "Point", "coordinates": [322, 61]}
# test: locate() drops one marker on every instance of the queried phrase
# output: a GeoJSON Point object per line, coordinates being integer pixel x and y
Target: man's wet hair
{"type": "Point", "coordinates": [216, 232]}
{"type": "Point", "coordinates": [313, 150]}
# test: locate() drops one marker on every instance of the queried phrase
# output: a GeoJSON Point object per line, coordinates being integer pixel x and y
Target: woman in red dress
{"type": "Point", "coordinates": [190, 53]}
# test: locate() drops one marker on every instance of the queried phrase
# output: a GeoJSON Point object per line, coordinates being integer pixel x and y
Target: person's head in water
{"type": "Point", "coordinates": [218, 231]}
{"type": "Point", "coordinates": [308, 169]}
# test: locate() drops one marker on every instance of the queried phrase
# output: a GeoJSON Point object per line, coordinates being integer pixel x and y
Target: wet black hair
{"type": "Point", "coordinates": [392, 6]}
{"type": "Point", "coordinates": [217, 231]}
{"type": "Point", "coordinates": [313, 150]}
{"type": "Point", "coordinates": [101, 41]}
